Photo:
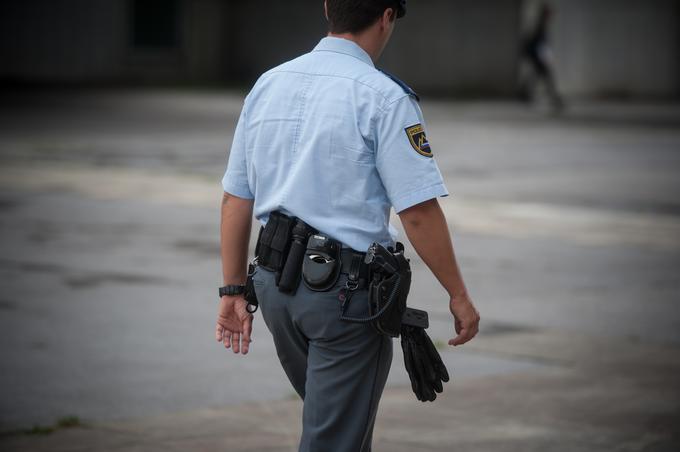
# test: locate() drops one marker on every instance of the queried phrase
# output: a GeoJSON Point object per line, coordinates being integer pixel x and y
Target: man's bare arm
{"type": "Point", "coordinates": [234, 322]}
{"type": "Point", "coordinates": [236, 221]}
{"type": "Point", "coordinates": [428, 232]}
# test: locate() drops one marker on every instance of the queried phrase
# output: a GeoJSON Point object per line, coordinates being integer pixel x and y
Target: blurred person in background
{"type": "Point", "coordinates": [537, 53]}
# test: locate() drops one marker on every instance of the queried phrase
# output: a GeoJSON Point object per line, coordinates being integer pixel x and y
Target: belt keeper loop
{"type": "Point", "coordinates": [354, 269]}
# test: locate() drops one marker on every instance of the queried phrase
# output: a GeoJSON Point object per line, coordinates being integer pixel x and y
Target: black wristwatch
{"type": "Point", "coordinates": [232, 290]}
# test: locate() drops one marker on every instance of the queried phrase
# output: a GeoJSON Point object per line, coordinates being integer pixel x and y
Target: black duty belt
{"type": "Point", "coordinates": [284, 244]}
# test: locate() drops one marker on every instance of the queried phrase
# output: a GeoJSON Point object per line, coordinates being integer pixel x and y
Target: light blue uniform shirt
{"type": "Point", "coordinates": [330, 139]}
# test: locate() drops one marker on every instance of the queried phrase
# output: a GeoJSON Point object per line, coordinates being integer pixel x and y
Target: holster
{"type": "Point", "coordinates": [387, 291]}
{"type": "Point", "coordinates": [390, 293]}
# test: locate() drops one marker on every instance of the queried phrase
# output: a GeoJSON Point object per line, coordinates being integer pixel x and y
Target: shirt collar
{"type": "Point", "coordinates": [341, 45]}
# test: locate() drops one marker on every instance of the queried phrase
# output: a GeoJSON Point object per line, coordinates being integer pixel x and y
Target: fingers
{"type": "Point", "coordinates": [219, 330]}
{"type": "Point", "coordinates": [465, 335]}
{"type": "Point", "coordinates": [240, 340]}
{"type": "Point", "coordinates": [466, 324]}
{"type": "Point", "coordinates": [235, 341]}
{"type": "Point", "coordinates": [247, 330]}
{"type": "Point", "coordinates": [226, 338]}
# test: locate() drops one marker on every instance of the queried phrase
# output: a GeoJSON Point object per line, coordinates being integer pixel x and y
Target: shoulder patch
{"type": "Point", "coordinates": [407, 89]}
{"type": "Point", "coordinates": [416, 136]}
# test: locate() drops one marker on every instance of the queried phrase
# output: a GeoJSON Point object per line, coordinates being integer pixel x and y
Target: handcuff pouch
{"type": "Point", "coordinates": [321, 264]}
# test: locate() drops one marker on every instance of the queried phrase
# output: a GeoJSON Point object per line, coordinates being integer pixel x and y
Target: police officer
{"type": "Point", "coordinates": [331, 140]}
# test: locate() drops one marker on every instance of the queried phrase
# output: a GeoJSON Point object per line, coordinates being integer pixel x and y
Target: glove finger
{"type": "Point", "coordinates": [437, 386]}
{"type": "Point", "coordinates": [404, 349]}
{"type": "Point", "coordinates": [421, 371]}
{"type": "Point", "coordinates": [416, 368]}
{"type": "Point", "coordinates": [430, 395]}
{"type": "Point", "coordinates": [443, 373]}
{"type": "Point", "coordinates": [425, 344]}
{"type": "Point", "coordinates": [426, 374]}
{"type": "Point", "coordinates": [425, 382]}
{"type": "Point", "coordinates": [435, 357]}
{"type": "Point", "coordinates": [426, 365]}
{"type": "Point", "coordinates": [409, 363]}
{"type": "Point", "coordinates": [419, 379]}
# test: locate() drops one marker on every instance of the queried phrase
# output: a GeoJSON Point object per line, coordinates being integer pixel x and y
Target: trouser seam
{"type": "Point", "coordinates": [375, 380]}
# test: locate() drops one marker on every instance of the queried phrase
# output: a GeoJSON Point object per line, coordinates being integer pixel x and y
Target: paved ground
{"type": "Point", "coordinates": [568, 231]}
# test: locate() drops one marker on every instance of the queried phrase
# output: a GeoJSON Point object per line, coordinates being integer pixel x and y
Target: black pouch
{"type": "Point", "coordinates": [321, 265]}
{"type": "Point", "coordinates": [273, 242]}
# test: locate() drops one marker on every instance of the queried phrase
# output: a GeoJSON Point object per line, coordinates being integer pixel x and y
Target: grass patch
{"type": "Point", "coordinates": [37, 430]}
{"type": "Point", "coordinates": [69, 422]}
{"type": "Point", "coordinates": [440, 344]}
{"type": "Point", "coordinates": [43, 430]}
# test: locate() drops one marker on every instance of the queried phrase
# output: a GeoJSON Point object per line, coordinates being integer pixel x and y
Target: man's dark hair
{"type": "Point", "coordinates": [353, 16]}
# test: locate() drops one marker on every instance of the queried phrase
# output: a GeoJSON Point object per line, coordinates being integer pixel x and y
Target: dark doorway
{"type": "Point", "coordinates": [155, 23]}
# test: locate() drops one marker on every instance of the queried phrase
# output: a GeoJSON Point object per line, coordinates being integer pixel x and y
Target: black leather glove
{"type": "Point", "coordinates": [423, 363]}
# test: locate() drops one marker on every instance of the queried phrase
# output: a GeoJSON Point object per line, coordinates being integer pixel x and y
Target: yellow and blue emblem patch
{"type": "Point", "coordinates": [416, 136]}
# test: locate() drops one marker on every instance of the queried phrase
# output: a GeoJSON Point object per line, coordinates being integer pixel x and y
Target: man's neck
{"type": "Point", "coordinates": [363, 40]}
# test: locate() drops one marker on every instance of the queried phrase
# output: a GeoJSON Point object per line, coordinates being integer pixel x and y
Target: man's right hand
{"type": "Point", "coordinates": [234, 324]}
{"type": "Point", "coordinates": [466, 319]}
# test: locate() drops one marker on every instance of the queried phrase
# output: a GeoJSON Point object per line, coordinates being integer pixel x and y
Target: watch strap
{"type": "Point", "coordinates": [231, 290]}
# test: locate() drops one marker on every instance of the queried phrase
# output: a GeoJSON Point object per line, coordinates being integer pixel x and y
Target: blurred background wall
{"type": "Point", "coordinates": [129, 41]}
{"type": "Point", "coordinates": [604, 48]}
{"type": "Point", "coordinates": [619, 48]}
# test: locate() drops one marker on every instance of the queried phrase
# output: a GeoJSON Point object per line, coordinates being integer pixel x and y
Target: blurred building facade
{"type": "Point", "coordinates": [627, 48]}
{"type": "Point", "coordinates": [459, 47]}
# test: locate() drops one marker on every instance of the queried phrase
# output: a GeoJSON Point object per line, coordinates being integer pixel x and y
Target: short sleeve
{"type": "Point", "coordinates": [235, 179]}
{"type": "Point", "coordinates": [403, 156]}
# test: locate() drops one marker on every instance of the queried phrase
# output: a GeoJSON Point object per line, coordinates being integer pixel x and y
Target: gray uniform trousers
{"type": "Point", "coordinates": [338, 368]}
